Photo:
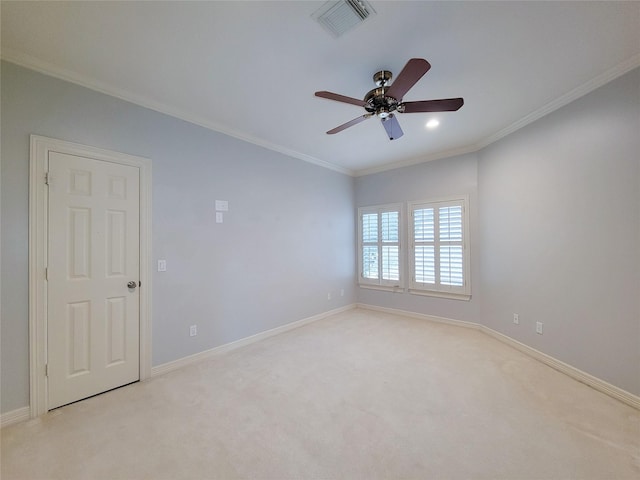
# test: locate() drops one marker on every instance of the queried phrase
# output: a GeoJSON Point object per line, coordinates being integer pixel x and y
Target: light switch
{"type": "Point", "coordinates": [222, 205]}
{"type": "Point", "coordinates": [162, 265]}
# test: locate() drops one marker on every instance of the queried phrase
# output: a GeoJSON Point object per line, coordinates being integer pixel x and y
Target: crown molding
{"type": "Point", "coordinates": [580, 91]}
{"type": "Point", "coordinates": [416, 160]}
{"type": "Point", "coordinates": [27, 61]}
{"type": "Point", "coordinates": [46, 68]}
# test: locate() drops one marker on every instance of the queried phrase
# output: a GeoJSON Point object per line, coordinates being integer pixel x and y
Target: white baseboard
{"type": "Point", "coordinates": [15, 416]}
{"type": "Point", "coordinates": [420, 316]}
{"type": "Point", "coordinates": [198, 357]}
{"type": "Point", "coordinates": [575, 373]}
{"type": "Point", "coordinates": [22, 414]}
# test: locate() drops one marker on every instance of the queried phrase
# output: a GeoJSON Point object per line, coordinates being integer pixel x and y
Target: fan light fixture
{"type": "Point", "coordinates": [383, 112]}
{"type": "Point", "coordinates": [433, 123]}
{"type": "Point", "coordinates": [385, 101]}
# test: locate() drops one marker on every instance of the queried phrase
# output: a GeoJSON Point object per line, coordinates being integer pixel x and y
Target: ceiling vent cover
{"type": "Point", "coordinates": [341, 16]}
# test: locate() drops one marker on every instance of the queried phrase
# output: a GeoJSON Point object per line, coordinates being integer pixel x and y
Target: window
{"type": "Point", "coordinates": [439, 254]}
{"type": "Point", "coordinates": [379, 246]}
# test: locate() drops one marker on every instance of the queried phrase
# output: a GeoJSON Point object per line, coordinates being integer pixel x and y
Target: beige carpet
{"type": "Point", "coordinates": [360, 395]}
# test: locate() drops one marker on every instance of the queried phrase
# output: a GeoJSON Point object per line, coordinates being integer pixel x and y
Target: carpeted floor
{"type": "Point", "coordinates": [360, 395]}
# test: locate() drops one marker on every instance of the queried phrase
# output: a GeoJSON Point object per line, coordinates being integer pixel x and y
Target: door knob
{"type": "Point", "coordinates": [131, 284]}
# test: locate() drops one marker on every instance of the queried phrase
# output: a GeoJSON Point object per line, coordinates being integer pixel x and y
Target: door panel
{"type": "Point", "coordinates": [78, 332]}
{"type": "Point", "coordinates": [93, 252]}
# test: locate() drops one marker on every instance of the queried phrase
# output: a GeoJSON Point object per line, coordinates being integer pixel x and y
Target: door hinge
{"type": "Point", "coordinates": [46, 273]}
{"type": "Point", "coordinates": [46, 369]}
{"type": "Point", "coordinates": [46, 178]}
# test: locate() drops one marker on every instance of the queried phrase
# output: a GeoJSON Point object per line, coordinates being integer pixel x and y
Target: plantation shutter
{"type": "Point", "coordinates": [451, 261]}
{"type": "Point", "coordinates": [438, 257]}
{"type": "Point", "coordinates": [390, 245]}
{"type": "Point", "coordinates": [379, 232]}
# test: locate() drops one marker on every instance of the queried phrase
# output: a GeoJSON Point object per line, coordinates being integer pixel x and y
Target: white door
{"type": "Point", "coordinates": [93, 325]}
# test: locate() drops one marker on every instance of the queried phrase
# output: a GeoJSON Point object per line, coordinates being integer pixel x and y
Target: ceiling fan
{"type": "Point", "coordinates": [385, 99]}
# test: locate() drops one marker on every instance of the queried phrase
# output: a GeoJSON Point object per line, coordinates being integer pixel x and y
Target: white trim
{"type": "Point", "coordinates": [420, 316]}
{"type": "Point", "coordinates": [575, 373]}
{"type": "Point", "coordinates": [583, 377]}
{"type": "Point", "coordinates": [628, 398]}
{"type": "Point", "coordinates": [51, 70]}
{"type": "Point", "coordinates": [380, 283]}
{"type": "Point", "coordinates": [228, 347]}
{"type": "Point", "coordinates": [38, 213]}
{"type": "Point", "coordinates": [14, 416]}
{"type": "Point", "coordinates": [417, 160]}
{"type": "Point", "coordinates": [570, 96]}
{"type": "Point", "coordinates": [32, 63]}
{"type": "Point", "coordinates": [394, 289]}
{"type": "Point", "coordinates": [437, 289]}
{"type": "Point", "coordinates": [435, 293]}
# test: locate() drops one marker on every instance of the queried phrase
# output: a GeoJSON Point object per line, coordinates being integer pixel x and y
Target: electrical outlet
{"type": "Point", "coordinates": [162, 265]}
{"type": "Point", "coordinates": [329, 296]}
{"type": "Point", "coordinates": [539, 328]}
{"type": "Point", "coordinates": [193, 330]}
{"type": "Point", "coordinates": [516, 319]}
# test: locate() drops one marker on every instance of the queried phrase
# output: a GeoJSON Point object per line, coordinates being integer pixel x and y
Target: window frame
{"type": "Point", "coordinates": [379, 283]}
{"type": "Point", "coordinates": [438, 290]}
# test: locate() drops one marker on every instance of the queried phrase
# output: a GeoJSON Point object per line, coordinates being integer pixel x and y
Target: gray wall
{"type": "Point", "coordinates": [264, 267]}
{"type": "Point", "coordinates": [560, 235]}
{"type": "Point", "coordinates": [555, 232]}
{"type": "Point", "coordinates": [440, 178]}
{"type": "Point", "coordinates": [554, 227]}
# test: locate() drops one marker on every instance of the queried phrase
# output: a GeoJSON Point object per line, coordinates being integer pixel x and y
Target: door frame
{"type": "Point", "coordinates": [38, 231]}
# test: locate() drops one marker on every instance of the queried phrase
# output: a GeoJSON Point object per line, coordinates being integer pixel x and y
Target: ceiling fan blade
{"type": "Point", "coordinates": [349, 124]}
{"type": "Point", "coordinates": [341, 98]}
{"type": "Point", "coordinates": [392, 127]}
{"type": "Point", "coordinates": [443, 105]}
{"type": "Point", "coordinates": [407, 78]}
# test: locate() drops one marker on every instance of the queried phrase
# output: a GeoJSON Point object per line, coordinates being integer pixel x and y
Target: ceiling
{"type": "Point", "coordinates": [250, 69]}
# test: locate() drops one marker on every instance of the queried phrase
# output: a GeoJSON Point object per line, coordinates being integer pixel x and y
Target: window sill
{"type": "Point", "coordinates": [384, 288]}
{"type": "Point", "coordinates": [432, 293]}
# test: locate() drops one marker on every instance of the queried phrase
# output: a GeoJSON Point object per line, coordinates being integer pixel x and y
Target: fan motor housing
{"type": "Point", "coordinates": [380, 103]}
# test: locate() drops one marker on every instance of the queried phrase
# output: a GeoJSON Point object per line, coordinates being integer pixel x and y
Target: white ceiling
{"type": "Point", "coordinates": [250, 69]}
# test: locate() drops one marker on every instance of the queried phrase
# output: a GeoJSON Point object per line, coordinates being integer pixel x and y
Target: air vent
{"type": "Point", "coordinates": [341, 16]}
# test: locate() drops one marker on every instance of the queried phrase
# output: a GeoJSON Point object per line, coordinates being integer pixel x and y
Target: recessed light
{"type": "Point", "coordinates": [433, 123]}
